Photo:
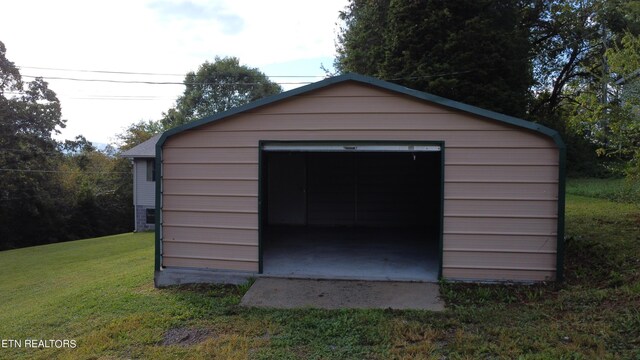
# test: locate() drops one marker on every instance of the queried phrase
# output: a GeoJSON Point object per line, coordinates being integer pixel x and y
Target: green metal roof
{"type": "Point", "coordinates": [487, 114]}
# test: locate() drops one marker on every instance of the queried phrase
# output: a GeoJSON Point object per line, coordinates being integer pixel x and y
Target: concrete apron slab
{"type": "Point", "coordinates": [283, 293]}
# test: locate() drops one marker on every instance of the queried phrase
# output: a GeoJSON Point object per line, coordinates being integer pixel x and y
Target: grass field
{"type": "Point", "coordinates": [619, 190]}
{"type": "Point", "coordinates": [99, 292]}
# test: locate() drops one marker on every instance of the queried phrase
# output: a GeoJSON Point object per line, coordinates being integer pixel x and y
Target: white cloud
{"type": "Point", "coordinates": [229, 23]}
{"type": "Point", "coordinates": [157, 36]}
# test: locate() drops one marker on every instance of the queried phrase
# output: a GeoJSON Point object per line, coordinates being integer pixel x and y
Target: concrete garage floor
{"type": "Point", "coordinates": [347, 253]}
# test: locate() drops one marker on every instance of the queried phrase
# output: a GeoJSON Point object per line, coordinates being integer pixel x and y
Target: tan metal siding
{"type": "Point", "coordinates": [501, 182]}
{"type": "Point", "coordinates": [483, 242]}
{"type": "Point", "coordinates": [465, 189]}
{"type": "Point", "coordinates": [482, 172]}
{"type": "Point", "coordinates": [211, 187]}
{"type": "Point", "coordinates": [497, 224]}
{"type": "Point", "coordinates": [498, 274]}
{"type": "Point", "coordinates": [209, 262]}
{"type": "Point", "coordinates": [497, 155]}
{"type": "Point", "coordinates": [542, 207]}
{"type": "Point", "coordinates": [210, 171]}
{"type": "Point", "coordinates": [223, 251]}
{"type": "Point", "coordinates": [500, 260]}
{"type": "Point", "coordinates": [208, 142]}
{"type": "Point", "coordinates": [311, 122]}
{"type": "Point", "coordinates": [219, 218]}
{"type": "Point", "coordinates": [210, 155]}
{"type": "Point", "coordinates": [209, 202]}
{"type": "Point", "coordinates": [210, 234]}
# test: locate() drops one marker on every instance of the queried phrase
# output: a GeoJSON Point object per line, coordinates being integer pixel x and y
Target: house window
{"type": "Point", "coordinates": [151, 216]}
{"type": "Point", "coordinates": [151, 170]}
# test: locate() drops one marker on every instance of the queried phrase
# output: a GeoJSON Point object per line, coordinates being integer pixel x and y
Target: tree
{"type": "Point", "coordinates": [29, 114]}
{"type": "Point", "coordinates": [472, 51]}
{"type": "Point", "coordinates": [546, 61]}
{"type": "Point", "coordinates": [574, 88]}
{"type": "Point", "coordinates": [614, 125]}
{"type": "Point", "coordinates": [98, 191]}
{"type": "Point", "coordinates": [570, 38]}
{"type": "Point", "coordinates": [137, 133]}
{"type": "Point", "coordinates": [217, 87]}
{"type": "Point", "coordinates": [53, 191]}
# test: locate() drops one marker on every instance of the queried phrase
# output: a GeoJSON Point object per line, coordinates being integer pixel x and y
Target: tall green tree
{"type": "Point", "coordinates": [98, 191]}
{"type": "Point", "coordinates": [216, 87]}
{"type": "Point", "coordinates": [613, 124]}
{"type": "Point", "coordinates": [29, 114]}
{"type": "Point", "coordinates": [137, 133]}
{"type": "Point", "coordinates": [570, 39]}
{"type": "Point", "coordinates": [474, 51]}
{"type": "Point", "coordinates": [574, 90]}
{"type": "Point", "coordinates": [53, 191]}
{"type": "Point", "coordinates": [543, 60]}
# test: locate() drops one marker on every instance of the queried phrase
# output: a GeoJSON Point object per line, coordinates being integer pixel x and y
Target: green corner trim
{"type": "Point", "coordinates": [441, 235]}
{"type": "Point", "coordinates": [158, 229]}
{"type": "Point", "coordinates": [562, 179]}
{"type": "Point", "coordinates": [261, 206]}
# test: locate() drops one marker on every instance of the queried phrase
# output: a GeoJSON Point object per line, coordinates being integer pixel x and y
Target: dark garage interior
{"type": "Point", "coordinates": [351, 214]}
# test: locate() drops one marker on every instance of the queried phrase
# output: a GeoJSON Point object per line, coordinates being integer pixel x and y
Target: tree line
{"type": "Point", "coordinates": [53, 191]}
{"type": "Point", "coordinates": [66, 190]}
{"type": "Point", "coordinates": [572, 65]}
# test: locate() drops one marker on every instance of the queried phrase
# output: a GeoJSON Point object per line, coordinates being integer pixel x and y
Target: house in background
{"type": "Point", "coordinates": [144, 186]}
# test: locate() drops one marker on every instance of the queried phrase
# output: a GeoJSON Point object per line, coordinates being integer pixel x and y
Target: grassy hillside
{"type": "Point", "coordinates": [99, 292]}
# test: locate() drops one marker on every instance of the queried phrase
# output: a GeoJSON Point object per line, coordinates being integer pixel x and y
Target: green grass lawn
{"type": "Point", "coordinates": [619, 190]}
{"type": "Point", "coordinates": [100, 293]}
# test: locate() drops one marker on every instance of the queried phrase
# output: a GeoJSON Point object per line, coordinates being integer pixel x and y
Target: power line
{"type": "Point", "coordinates": [132, 98]}
{"type": "Point", "coordinates": [225, 83]}
{"type": "Point", "coordinates": [147, 73]}
{"type": "Point", "coordinates": [107, 97]}
{"type": "Point", "coordinates": [156, 82]}
{"type": "Point", "coordinates": [99, 71]}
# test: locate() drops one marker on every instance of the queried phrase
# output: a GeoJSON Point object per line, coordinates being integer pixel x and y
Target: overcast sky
{"type": "Point", "coordinates": [280, 37]}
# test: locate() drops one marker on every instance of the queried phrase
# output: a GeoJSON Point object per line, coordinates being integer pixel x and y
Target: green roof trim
{"type": "Point", "coordinates": [455, 105]}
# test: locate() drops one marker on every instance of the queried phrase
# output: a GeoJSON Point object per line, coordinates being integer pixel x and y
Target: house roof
{"type": "Point", "coordinates": [146, 149]}
{"type": "Point", "coordinates": [487, 114]}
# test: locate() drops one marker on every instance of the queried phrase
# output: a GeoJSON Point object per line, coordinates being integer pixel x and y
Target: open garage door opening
{"type": "Point", "coordinates": [351, 211]}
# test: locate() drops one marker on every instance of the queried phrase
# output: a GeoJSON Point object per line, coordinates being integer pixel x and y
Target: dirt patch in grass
{"type": "Point", "coordinates": [186, 336]}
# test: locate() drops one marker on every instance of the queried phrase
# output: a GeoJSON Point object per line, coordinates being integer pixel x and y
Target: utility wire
{"type": "Point", "coordinates": [107, 97]}
{"type": "Point", "coordinates": [133, 98]}
{"type": "Point", "coordinates": [221, 78]}
{"type": "Point", "coordinates": [155, 82]}
{"type": "Point", "coordinates": [99, 71]}
{"type": "Point", "coordinates": [147, 73]}
{"type": "Point", "coordinates": [218, 83]}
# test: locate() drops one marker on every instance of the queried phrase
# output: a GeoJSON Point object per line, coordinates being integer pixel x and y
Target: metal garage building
{"type": "Point", "coordinates": [357, 178]}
